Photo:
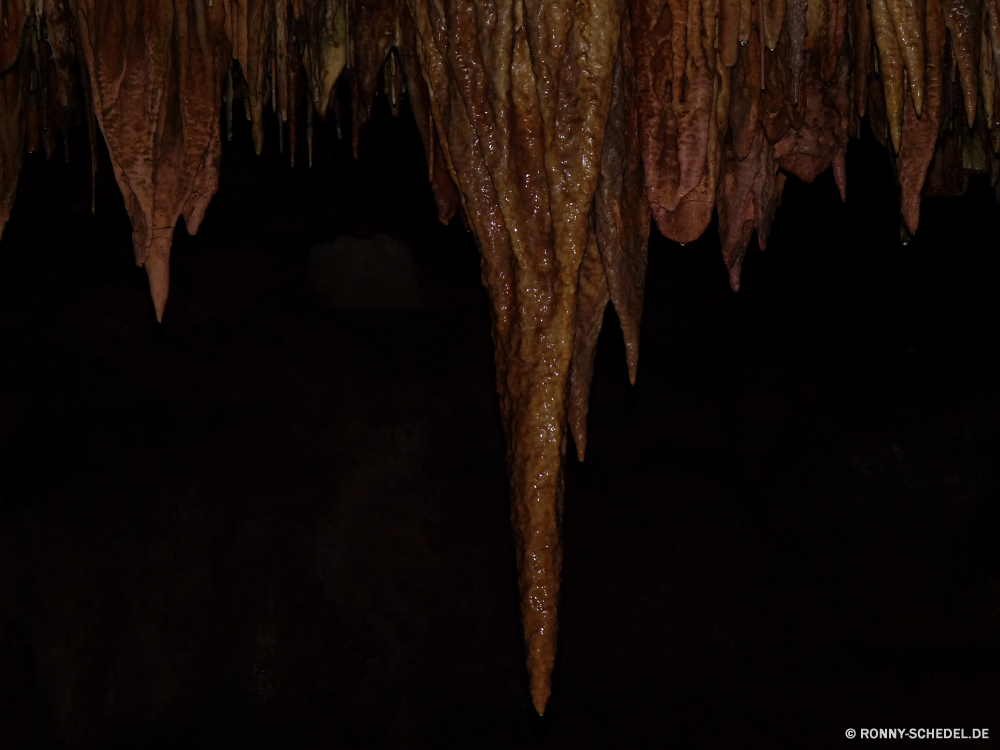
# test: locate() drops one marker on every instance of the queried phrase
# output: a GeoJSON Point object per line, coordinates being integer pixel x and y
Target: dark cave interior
{"type": "Point", "coordinates": [265, 523]}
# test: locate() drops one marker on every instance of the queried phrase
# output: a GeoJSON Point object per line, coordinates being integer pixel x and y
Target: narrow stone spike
{"type": "Point", "coordinates": [748, 196]}
{"type": "Point", "coordinates": [157, 267]}
{"type": "Point", "coordinates": [962, 19]}
{"type": "Point", "coordinates": [920, 134]}
{"type": "Point", "coordinates": [908, 21]}
{"type": "Point", "coordinates": [840, 173]}
{"type": "Point", "coordinates": [890, 69]}
{"type": "Point", "coordinates": [593, 298]}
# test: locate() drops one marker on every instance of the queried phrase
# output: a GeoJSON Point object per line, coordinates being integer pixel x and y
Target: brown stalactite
{"type": "Point", "coordinates": [652, 40]}
{"type": "Point", "coordinates": [445, 192]}
{"type": "Point", "coordinates": [614, 265]}
{"type": "Point", "coordinates": [158, 107]}
{"type": "Point", "coordinates": [693, 214]}
{"type": "Point", "coordinates": [808, 151]}
{"type": "Point", "coordinates": [621, 213]}
{"type": "Point", "coordinates": [748, 197]}
{"type": "Point", "coordinates": [920, 134]}
{"type": "Point", "coordinates": [329, 49]}
{"type": "Point", "coordinates": [693, 99]}
{"type": "Point", "coordinates": [890, 69]}
{"type": "Point", "coordinates": [963, 19]}
{"type": "Point", "coordinates": [946, 175]}
{"type": "Point", "coordinates": [591, 300]}
{"type": "Point", "coordinates": [908, 18]}
{"type": "Point", "coordinates": [674, 49]}
{"type": "Point", "coordinates": [525, 139]}
{"type": "Point", "coordinates": [248, 28]}
{"type": "Point", "coordinates": [373, 26]}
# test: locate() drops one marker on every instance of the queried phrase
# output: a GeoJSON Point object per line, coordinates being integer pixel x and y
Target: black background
{"type": "Point", "coordinates": [267, 524]}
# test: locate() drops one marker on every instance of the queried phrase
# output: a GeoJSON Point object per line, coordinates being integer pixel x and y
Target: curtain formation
{"type": "Point", "coordinates": [555, 129]}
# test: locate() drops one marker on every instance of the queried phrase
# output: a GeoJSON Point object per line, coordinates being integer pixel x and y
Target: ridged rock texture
{"type": "Point", "coordinates": [556, 132]}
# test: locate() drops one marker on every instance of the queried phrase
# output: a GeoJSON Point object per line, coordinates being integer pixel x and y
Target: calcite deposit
{"type": "Point", "coordinates": [556, 131]}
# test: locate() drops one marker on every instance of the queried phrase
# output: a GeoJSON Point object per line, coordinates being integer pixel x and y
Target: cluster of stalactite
{"type": "Point", "coordinates": [556, 130]}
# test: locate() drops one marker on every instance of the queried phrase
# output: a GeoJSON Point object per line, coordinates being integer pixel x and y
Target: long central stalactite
{"type": "Point", "coordinates": [555, 130]}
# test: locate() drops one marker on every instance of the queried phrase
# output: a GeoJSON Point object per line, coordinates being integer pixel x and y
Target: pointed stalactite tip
{"type": "Point", "coordinates": [632, 362]}
{"type": "Point", "coordinates": [158, 272]}
{"type": "Point", "coordinates": [540, 692]}
{"type": "Point", "coordinates": [734, 277]}
{"type": "Point", "coordinates": [541, 658]}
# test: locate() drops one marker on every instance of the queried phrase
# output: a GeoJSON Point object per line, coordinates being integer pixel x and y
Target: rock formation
{"type": "Point", "coordinates": [556, 131]}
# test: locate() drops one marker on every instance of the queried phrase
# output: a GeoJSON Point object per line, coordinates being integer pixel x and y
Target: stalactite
{"type": "Point", "coordinates": [556, 132]}
{"type": "Point", "coordinates": [621, 213]}
{"type": "Point", "coordinates": [156, 78]}
{"type": "Point", "coordinates": [963, 19]}
{"type": "Point", "coordinates": [524, 139]}
{"type": "Point", "coordinates": [920, 131]}
{"type": "Point", "coordinates": [374, 30]}
{"type": "Point", "coordinates": [442, 185]}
